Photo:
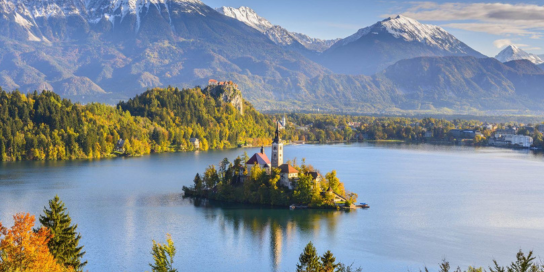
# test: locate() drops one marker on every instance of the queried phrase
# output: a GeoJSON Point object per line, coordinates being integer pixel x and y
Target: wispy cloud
{"type": "Point", "coordinates": [493, 18]}
{"type": "Point", "coordinates": [506, 42]}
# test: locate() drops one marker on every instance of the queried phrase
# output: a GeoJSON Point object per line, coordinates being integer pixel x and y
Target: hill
{"type": "Point", "coordinates": [43, 126]}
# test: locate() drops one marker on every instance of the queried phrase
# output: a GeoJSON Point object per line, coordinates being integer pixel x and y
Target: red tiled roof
{"type": "Point", "coordinates": [286, 168]}
{"type": "Point", "coordinates": [259, 158]}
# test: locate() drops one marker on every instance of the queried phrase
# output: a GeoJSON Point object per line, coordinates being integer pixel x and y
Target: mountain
{"type": "Point", "coordinates": [452, 83]}
{"type": "Point", "coordinates": [373, 48]}
{"type": "Point", "coordinates": [108, 50]}
{"type": "Point", "coordinates": [513, 52]}
{"type": "Point", "coordinates": [277, 34]}
{"type": "Point", "coordinates": [456, 82]}
{"type": "Point", "coordinates": [112, 49]}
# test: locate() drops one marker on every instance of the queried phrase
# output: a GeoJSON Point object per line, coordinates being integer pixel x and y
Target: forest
{"type": "Point", "coordinates": [325, 128]}
{"type": "Point", "coordinates": [44, 126]}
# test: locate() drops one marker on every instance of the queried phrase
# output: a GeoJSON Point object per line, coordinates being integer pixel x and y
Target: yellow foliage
{"type": "Point", "coordinates": [23, 250]}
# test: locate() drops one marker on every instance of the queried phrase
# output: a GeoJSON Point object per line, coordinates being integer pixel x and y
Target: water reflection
{"type": "Point", "coordinates": [277, 225]}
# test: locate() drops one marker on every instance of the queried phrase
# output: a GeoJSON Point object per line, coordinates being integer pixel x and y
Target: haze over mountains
{"type": "Point", "coordinates": [105, 50]}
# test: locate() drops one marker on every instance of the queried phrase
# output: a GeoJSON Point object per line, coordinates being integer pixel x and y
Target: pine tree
{"type": "Point", "coordinates": [308, 260]}
{"type": "Point", "coordinates": [64, 243]}
{"type": "Point", "coordinates": [329, 262]}
{"type": "Point", "coordinates": [163, 255]}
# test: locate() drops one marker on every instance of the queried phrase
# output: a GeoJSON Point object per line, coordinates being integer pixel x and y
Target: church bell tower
{"type": "Point", "coordinates": [277, 149]}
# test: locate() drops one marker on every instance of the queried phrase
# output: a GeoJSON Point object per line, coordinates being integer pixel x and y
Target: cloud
{"type": "Point", "coordinates": [493, 18]}
{"type": "Point", "coordinates": [506, 42]}
{"type": "Point", "coordinates": [502, 43]}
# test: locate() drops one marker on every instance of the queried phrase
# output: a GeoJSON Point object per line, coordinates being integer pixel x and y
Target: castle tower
{"type": "Point", "coordinates": [277, 149]}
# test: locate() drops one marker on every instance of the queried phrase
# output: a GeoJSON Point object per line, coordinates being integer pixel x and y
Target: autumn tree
{"type": "Point", "coordinates": [163, 256]}
{"type": "Point", "coordinates": [64, 240]}
{"type": "Point", "coordinates": [211, 178]}
{"type": "Point", "coordinates": [25, 250]}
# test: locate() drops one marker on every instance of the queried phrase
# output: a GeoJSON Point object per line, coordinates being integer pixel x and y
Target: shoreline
{"type": "Point", "coordinates": [116, 156]}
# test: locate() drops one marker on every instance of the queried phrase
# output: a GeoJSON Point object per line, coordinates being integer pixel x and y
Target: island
{"type": "Point", "coordinates": [259, 180]}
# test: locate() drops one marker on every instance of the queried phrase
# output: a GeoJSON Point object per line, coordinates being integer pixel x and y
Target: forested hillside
{"type": "Point", "coordinates": [43, 126]}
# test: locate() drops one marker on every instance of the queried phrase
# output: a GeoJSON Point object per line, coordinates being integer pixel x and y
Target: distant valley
{"type": "Point", "coordinates": [109, 50]}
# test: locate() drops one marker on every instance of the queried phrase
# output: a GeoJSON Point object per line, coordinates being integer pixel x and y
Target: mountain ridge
{"type": "Point", "coordinates": [276, 33]}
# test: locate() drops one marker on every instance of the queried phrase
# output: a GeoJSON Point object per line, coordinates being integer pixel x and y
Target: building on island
{"type": "Point", "coordinates": [288, 175]}
{"type": "Point", "coordinates": [317, 178]}
{"type": "Point", "coordinates": [261, 160]}
{"type": "Point", "coordinates": [195, 142]}
{"type": "Point", "coordinates": [336, 197]}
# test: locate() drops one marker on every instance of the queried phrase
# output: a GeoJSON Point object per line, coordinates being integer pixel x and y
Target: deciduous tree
{"type": "Point", "coordinates": [25, 250]}
{"type": "Point", "coordinates": [163, 256]}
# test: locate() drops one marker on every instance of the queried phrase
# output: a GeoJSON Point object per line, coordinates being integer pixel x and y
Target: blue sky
{"type": "Point", "coordinates": [486, 26]}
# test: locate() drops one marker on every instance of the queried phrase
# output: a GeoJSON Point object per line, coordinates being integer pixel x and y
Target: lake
{"type": "Point", "coordinates": [469, 205]}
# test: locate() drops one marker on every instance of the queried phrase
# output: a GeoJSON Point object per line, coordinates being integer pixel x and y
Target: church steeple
{"type": "Point", "coordinates": [277, 148]}
{"type": "Point", "coordinates": [277, 135]}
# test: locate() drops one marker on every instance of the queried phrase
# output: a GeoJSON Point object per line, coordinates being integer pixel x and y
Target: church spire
{"type": "Point", "coordinates": [277, 135]}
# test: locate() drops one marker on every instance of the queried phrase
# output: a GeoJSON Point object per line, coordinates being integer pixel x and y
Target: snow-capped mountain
{"type": "Point", "coordinates": [71, 19]}
{"type": "Point", "coordinates": [373, 48]}
{"type": "Point", "coordinates": [513, 52]}
{"type": "Point", "coordinates": [77, 47]}
{"type": "Point", "coordinates": [247, 16]}
{"type": "Point", "coordinates": [277, 34]}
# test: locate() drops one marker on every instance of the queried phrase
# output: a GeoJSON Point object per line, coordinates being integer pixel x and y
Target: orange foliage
{"type": "Point", "coordinates": [24, 250]}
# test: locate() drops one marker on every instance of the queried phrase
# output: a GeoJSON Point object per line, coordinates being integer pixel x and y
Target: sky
{"type": "Point", "coordinates": [485, 26]}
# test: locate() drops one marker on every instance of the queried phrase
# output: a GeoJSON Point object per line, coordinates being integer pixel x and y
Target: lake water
{"type": "Point", "coordinates": [427, 202]}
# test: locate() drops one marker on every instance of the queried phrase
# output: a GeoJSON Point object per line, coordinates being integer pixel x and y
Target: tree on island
{"type": "Point", "coordinates": [236, 182]}
{"type": "Point", "coordinates": [64, 241]}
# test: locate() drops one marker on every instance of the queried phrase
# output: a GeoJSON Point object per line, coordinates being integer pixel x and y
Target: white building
{"type": "Point", "coordinates": [522, 141]}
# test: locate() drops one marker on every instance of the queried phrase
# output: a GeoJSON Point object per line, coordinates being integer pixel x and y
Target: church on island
{"type": "Point", "coordinates": [288, 174]}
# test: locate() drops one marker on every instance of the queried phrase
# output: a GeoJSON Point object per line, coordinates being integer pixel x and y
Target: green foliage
{"type": "Point", "coordinates": [163, 256]}
{"type": "Point", "coordinates": [329, 262]}
{"type": "Point", "coordinates": [42, 126]}
{"type": "Point", "coordinates": [235, 183]}
{"type": "Point", "coordinates": [64, 242]}
{"type": "Point", "coordinates": [308, 260]}
{"type": "Point", "coordinates": [522, 264]}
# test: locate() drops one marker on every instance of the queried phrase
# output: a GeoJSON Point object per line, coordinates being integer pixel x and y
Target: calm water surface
{"type": "Point", "coordinates": [427, 202]}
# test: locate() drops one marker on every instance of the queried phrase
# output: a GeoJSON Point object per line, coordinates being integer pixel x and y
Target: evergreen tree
{"type": "Point", "coordinates": [198, 183]}
{"type": "Point", "coordinates": [308, 260]}
{"type": "Point", "coordinates": [163, 254]}
{"type": "Point", "coordinates": [64, 243]}
{"type": "Point", "coordinates": [329, 262]}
